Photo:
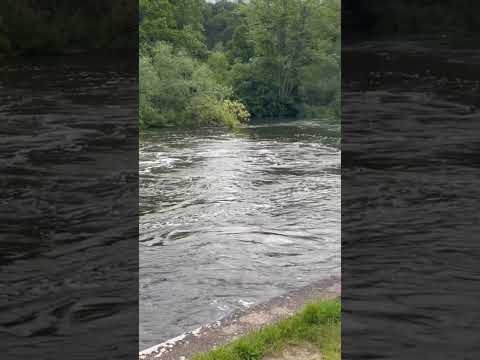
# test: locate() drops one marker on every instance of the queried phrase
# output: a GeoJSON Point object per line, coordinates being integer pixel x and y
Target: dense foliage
{"type": "Point", "coordinates": [51, 26]}
{"type": "Point", "coordinates": [176, 88]}
{"type": "Point", "coordinates": [204, 62]}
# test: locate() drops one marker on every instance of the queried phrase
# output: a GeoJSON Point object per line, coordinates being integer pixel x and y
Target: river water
{"type": "Point", "coordinates": [410, 163]}
{"type": "Point", "coordinates": [69, 208]}
{"type": "Point", "coordinates": [233, 218]}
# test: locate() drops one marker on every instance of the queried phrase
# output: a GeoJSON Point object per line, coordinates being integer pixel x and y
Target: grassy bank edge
{"type": "Point", "coordinates": [317, 324]}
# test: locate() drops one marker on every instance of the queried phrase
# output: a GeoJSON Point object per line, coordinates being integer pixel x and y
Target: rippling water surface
{"type": "Point", "coordinates": [409, 202]}
{"type": "Point", "coordinates": [232, 218]}
{"type": "Point", "coordinates": [68, 254]}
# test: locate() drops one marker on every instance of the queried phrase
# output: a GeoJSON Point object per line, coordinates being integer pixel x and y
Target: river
{"type": "Point", "coordinates": [410, 126]}
{"type": "Point", "coordinates": [69, 229]}
{"type": "Point", "coordinates": [228, 219]}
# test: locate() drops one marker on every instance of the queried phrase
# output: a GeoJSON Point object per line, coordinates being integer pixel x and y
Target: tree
{"type": "Point", "coordinates": [291, 41]}
{"type": "Point", "coordinates": [179, 23]}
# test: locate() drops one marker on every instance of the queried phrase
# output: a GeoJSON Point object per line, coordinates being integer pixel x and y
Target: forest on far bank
{"type": "Point", "coordinates": [226, 61]}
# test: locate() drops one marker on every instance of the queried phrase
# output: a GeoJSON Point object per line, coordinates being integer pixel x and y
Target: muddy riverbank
{"type": "Point", "coordinates": [241, 322]}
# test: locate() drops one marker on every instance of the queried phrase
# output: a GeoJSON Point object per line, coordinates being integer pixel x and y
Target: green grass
{"type": "Point", "coordinates": [318, 324]}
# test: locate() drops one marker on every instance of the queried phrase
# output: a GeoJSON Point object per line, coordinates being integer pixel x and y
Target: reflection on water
{"type": "Point", "coordinates": [229, 218]}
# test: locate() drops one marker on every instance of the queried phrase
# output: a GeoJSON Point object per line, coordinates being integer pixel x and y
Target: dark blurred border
{"type": "Point", "coordinates": [32, 27]}
{"type": "Point", "coordinates": [69, 179]}
{"type": "Point", "coordinates": [410, 100]}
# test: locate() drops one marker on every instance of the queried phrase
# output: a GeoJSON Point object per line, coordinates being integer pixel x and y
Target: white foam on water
{"type": "Point", "coordinates": [245, 304]}
{"type": "Point", "coordinates": [161, 348]}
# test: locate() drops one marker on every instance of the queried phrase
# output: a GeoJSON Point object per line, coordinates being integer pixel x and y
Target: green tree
{"type": "Point", "coordinates": [320, 77]}
{"type": "Point", "coordinates": [295, 52]}
{"type": "Point", "coordinates": [179, 23]}
{"type": "Point", "coordinates": [176, 89]}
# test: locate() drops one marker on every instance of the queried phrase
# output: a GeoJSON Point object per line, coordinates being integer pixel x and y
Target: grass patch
{"type": "Point", "coordinates": [318, 324]}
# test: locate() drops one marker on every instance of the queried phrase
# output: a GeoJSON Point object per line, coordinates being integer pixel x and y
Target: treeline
{"type": "Point", "coordinates": [222, 62]}
{"type": "Point", "coordinates": [54, 26]}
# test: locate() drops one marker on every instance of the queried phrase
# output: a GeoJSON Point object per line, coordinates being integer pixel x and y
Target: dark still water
{"type": "Point", "coordinates": [232, 218]}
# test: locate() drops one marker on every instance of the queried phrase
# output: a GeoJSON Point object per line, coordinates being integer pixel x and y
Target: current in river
{"type": "Point", "coordinates": [231, 218]}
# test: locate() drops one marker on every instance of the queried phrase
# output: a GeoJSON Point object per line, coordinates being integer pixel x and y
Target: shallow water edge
{"type": "Point", "coordinates": [241, 322]}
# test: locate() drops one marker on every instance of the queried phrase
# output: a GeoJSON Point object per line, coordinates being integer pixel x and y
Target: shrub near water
{"type": "Point", "coordinates": [176, 89]}
{"type": "Point", "coordinates": [317, 324]}
{"type": "Point", "coordinates": [234, 112]}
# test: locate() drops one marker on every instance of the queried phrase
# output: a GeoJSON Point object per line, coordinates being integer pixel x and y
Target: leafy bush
{"type": "Point", "coordinates": [235, 111]}
{"type": "Point", "coordinates": [176, 89]}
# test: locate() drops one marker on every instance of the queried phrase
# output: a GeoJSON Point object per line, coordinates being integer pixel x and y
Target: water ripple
{"type": "Point", "coordinates": [228, 218]}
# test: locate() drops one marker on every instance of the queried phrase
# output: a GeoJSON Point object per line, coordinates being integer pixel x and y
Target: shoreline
{"type": "Point", "coordinates": [242, 322]}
